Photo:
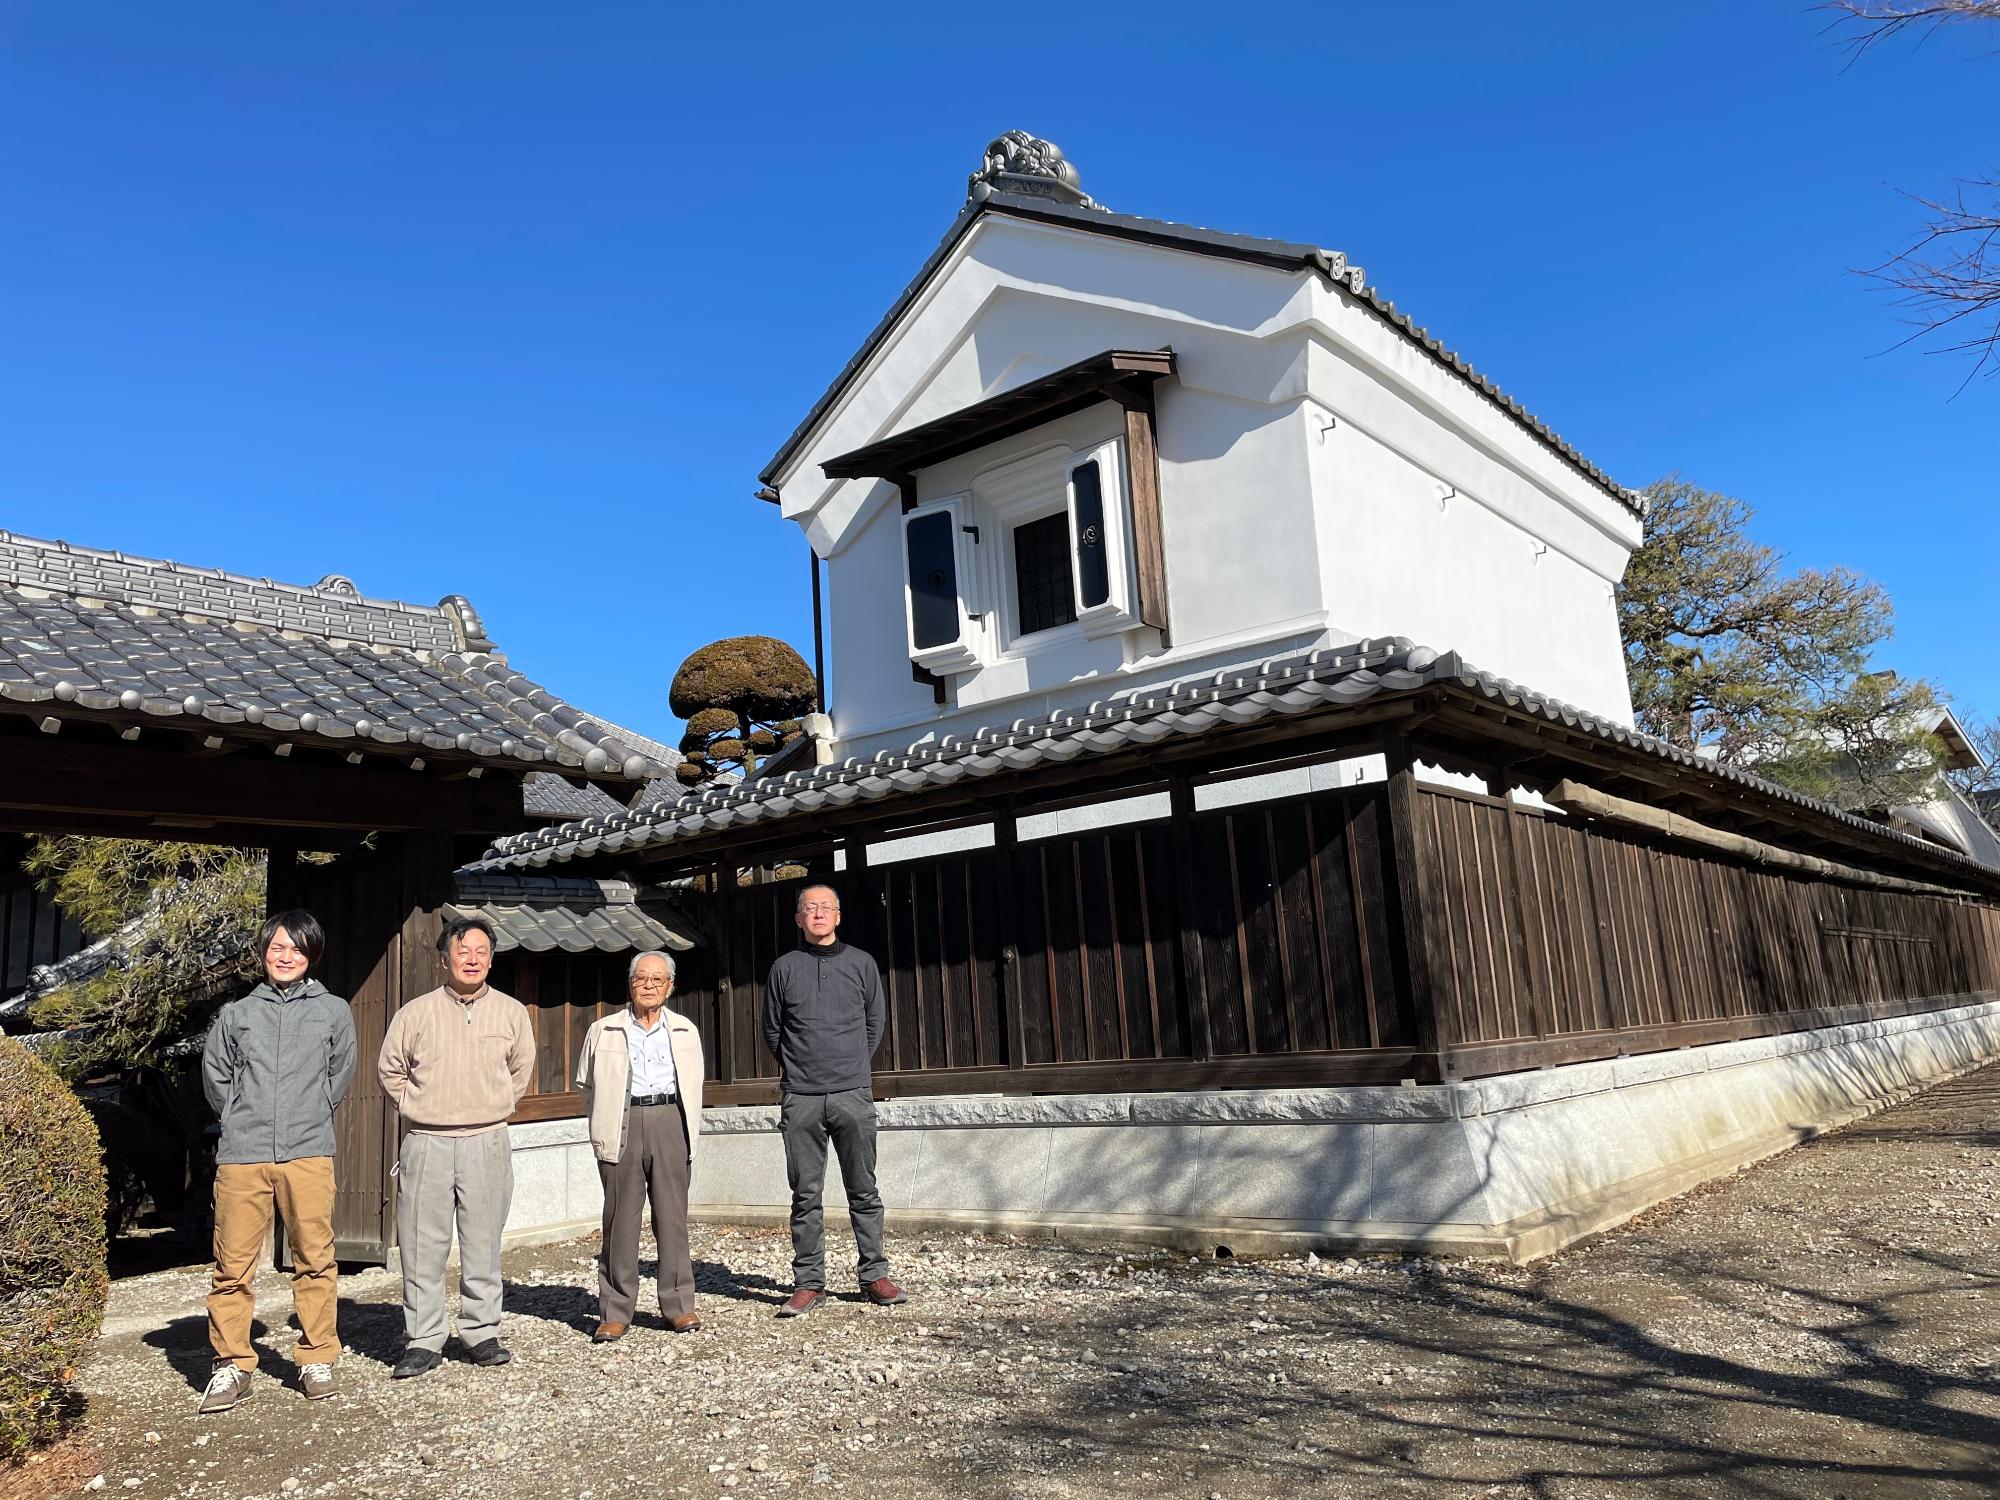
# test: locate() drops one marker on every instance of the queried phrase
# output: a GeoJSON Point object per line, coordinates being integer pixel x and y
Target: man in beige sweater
{"type": "Point", "coordinates": [455, 1062]}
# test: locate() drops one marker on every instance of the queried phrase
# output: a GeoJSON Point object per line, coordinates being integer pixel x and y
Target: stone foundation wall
{"type": "Point", "coordinates": [1513, 1167]}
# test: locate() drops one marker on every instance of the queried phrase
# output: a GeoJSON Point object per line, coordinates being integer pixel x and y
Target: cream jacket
{"type": "Point", "coordinates": [604, 1072]}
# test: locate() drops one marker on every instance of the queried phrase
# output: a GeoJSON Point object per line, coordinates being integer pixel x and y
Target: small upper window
{"type": "Point", "coordinates": [1043, 588]}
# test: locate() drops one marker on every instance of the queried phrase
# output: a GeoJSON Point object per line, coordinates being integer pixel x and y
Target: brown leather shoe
{"type": "Point", "coordinates": [884, 1293]}
{"type": "Point", "coordinates": [607, 1332]}
{"type": "Point", "coordinates": [686, 1323]}
{"type": "Point", "coordinates": [802, 1301]}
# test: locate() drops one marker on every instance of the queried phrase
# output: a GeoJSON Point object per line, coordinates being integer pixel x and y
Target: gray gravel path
{"type": "Point", "coordinates": [1825, 1325]}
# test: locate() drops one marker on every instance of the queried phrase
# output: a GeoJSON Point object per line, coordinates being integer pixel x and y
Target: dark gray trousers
{"type": "Point", "coordinates": [808, 1122]}
{"type": "Point", "coordinates": [654, 1164]}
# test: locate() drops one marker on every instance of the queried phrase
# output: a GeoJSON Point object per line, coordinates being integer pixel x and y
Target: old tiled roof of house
{"type": "Point", "coordinates": [1319, 681]}
{"type": "Point", "coordinates": [1284, 255]}
{"type": "Point", "coordinates": [539, 913]}
{"type": "Point", "coordinates": [103, 632]}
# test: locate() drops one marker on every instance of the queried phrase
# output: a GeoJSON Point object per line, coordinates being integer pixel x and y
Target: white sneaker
{"type": "Point", "coordinates": [316, 1381]}
{"type": "Point", "coordinates": [226, 1387]}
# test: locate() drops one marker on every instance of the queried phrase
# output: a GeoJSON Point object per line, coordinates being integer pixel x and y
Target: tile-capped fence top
{"type": "Point", "coordinates": [1319, 681]}
{"type": "Point", "coordinates": [138, 636]}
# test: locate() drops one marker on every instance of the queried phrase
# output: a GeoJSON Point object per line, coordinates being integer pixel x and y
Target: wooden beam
{"type": "Point", "coordinates": [41, 777]}
{"type": "Point", "coordinates": [1142, 468]}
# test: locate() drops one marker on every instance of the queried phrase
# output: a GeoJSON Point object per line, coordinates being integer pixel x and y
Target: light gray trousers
{"type": "Point", "coordinates": [654, 1164]}
{"type": "Point", "coordinates": [466, 1181]}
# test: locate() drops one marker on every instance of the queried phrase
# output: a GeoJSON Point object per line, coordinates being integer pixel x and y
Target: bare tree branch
{"type": "Point", "coordinates": [1948, 281]}
{"type": "Point", "coordinates": [1863, 23]}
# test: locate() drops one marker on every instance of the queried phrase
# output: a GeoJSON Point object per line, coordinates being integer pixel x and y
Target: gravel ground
{"type": "Point", "coordinates": [1824, 1325]}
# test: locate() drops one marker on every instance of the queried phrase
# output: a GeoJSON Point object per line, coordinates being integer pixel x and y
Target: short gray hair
{"type": "Point", "coordinates": [807, 890]}
{"type": "Point", "coordinates": [632, 973]}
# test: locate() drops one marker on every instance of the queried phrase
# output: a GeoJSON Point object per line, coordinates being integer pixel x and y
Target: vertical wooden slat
{"type": "Point", "coordinates": [1411, 880]}
{"type": "Point", "coordinates": [1194, 979]}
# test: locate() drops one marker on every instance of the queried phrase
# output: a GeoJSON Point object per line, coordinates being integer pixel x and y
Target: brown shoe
{"type": "Point", "coordinates": [802, 1301]}
{"type": "Point", "coordinates": [607, 1332]}
{"type": "Point", "coordinates": [686, 1323]}
{"type": "Point", "coordinates": [884, 1293]}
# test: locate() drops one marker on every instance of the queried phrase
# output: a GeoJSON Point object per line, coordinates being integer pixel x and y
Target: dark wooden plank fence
{"type": "Point", "coordinates": [1564, 939]}
{"type": "Point", "coordinates": [1264, 944]}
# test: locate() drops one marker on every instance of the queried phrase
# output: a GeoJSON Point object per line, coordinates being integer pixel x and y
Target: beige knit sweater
{"type": "Point", "coordinates": [457, 1067]}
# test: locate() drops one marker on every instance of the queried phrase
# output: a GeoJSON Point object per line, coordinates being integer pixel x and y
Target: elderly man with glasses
{"type": "Point", "coordinates": [823, 1017]}
{"type": "Point", "coordinates": [641, 1075]}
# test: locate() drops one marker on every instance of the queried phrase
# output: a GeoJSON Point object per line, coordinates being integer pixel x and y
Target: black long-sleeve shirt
{"type": "Point", "coordinates": [823, 1017]}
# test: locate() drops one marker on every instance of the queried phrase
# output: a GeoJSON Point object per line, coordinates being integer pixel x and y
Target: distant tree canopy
{"type": "Point", "coordinates": [1731, 655]}
{"type": "Point", "coordinates": [742, 699]}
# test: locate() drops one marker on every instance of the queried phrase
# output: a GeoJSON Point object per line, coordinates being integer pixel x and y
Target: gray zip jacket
{"type": "Point", "coordinates": [823, 1016]}
{"type": "Point", "coordinates": [274, 1066]}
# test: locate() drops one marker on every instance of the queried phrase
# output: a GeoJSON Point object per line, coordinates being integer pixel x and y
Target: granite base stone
{"type": "Point", "coordinates": [1515, 1166]}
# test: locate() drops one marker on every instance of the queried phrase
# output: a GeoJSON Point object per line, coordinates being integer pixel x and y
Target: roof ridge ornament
{"type": "Point", "coordinates": [1021, 163]}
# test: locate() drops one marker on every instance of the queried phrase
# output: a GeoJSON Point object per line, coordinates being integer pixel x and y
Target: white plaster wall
{"type": "Point", "coordinates": [1281, 532]}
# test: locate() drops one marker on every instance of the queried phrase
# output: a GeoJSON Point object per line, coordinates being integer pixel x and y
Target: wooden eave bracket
{"type": "Point", "coordinates": [1110, 376]}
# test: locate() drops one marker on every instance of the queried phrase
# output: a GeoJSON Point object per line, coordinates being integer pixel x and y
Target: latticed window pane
{"type": "Point", "coordinates": [1042, 587]}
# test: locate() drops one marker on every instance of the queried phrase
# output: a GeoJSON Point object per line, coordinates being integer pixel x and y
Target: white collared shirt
{"type": "Point", "coordinates": [652, 1058]}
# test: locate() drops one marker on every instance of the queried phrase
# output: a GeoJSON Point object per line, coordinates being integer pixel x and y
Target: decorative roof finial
{"type": "Point", "coordinates": [1020, 163]}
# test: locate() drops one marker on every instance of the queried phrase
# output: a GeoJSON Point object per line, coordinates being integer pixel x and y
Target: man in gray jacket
{"type": "Point", "coordinates": [275, 1065]}
{"type": "Point", "coordinates": [823, 1019]}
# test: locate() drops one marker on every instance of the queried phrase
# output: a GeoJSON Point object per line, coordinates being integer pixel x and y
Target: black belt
{"type": "Point", "coordinates": [641, 1100]}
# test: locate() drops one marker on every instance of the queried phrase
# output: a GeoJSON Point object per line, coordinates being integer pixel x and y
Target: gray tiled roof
{"type": "Point", "coordinates": [117, 634]}
{"type": "Point", "coordinates": [544, 912]}
{"type": "Point", "coordinates": [1285, 255]}
{"type": "Point", "coordinates": [547, 795]}
{"type": "Point", "coordinates": [1319, 681]}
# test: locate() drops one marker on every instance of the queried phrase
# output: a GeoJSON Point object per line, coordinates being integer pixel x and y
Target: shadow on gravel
{"type": "Point", "coordinates": [372, 1330]}
{"type": "Point", "coordinates": [1526, 1385]}
{"type": "Point", "coordinates": [576, 1306]}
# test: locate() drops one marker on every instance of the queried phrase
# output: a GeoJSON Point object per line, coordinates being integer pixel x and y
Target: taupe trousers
{"type": "Point", "coordinates": [466, 1181]}
{"type": "Point", "coordinates": [653, 1165]}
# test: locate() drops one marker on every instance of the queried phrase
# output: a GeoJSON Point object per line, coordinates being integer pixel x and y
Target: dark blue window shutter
{"type": "Point", "coordinates": [931, 547]}
{"type": "Point", "coordinates": [1093, 556]}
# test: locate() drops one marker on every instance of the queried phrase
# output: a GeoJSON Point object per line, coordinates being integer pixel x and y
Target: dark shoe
{"type": "Point", "coordinates": [802, 1301]}
{"type": "Point", "coordinates": [686, 1323]}
{"type": "Point", "coordinates": [491, 1354]}
{"type": "Point", "coordinates": [416, 1362]}
{"type": "Point", "coordinates": [606, 1333]}
{"type": "Point", "coordinates": [884, 1293]}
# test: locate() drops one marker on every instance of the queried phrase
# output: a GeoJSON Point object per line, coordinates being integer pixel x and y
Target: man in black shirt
{"type": "Point", "coordinates": [823, 1015]}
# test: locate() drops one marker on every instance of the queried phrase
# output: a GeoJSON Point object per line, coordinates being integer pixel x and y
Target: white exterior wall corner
{"type": "Point", "coordinates": [1446, 522]}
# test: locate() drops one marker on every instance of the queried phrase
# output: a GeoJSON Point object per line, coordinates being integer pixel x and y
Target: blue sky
{"type": "Point", "coordinates": [514, 300]}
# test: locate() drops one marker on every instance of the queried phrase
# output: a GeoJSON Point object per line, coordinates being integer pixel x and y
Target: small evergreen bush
{"type": "Point", "coordinates": [52, 1279]}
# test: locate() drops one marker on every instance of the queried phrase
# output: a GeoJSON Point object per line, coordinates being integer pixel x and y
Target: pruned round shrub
{"type": "Point", "coordinates": [52, 1280]}
{"type": "Point", "coordinates": [752, 675]}
{"type": "Point", "coordinates": [712, 721]}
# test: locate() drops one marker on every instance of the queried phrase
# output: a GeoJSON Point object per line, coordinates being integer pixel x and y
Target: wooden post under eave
{"type": "Point", "coordinates": [1180, 796]}
{"type": "Point", "coordinates": [1006, 840]}
{"type": "Point", "coordinates": [1405, 889]}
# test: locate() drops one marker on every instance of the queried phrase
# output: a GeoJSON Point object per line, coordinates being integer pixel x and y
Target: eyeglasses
{"type": "Point", "coordinates": [820, 909]}
{"type": "Point", "coordinates": [649, 981]}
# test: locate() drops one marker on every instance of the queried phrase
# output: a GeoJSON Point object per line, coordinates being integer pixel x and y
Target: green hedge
{"type": "Point", "coordinates": [52, 1281]}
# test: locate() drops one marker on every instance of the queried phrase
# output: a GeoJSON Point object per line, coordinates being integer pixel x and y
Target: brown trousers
{"type": "Point", "coordinates": [301, 1191]}
{"type": "Point", "coordinates": [654, 1164]}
